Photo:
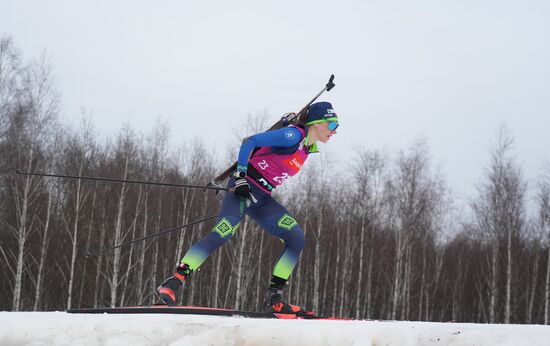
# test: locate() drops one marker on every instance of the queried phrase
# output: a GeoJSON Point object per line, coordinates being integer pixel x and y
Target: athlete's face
{"type": "Point", "coordinates": [324, 132]}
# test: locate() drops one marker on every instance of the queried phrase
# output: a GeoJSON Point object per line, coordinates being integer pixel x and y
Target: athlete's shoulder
{"type": "Point", "coordinates": [292, 134]}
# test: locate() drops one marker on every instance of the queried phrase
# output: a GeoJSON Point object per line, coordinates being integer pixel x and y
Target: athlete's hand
{"type": "Point", "coordinates": [242, 188]}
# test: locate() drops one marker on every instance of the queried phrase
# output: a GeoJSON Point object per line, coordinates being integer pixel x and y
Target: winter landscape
{"type": "Point", "coordinates": [423, 213]}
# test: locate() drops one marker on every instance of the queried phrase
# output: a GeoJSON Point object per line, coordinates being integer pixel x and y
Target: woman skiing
{"type": "Point", "coordinates": [264, 162]}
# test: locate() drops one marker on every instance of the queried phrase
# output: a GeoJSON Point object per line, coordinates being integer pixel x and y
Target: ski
{"type": "Point", "coordinates": [198, 310]}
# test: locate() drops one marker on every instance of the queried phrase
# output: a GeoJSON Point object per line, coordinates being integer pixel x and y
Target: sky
{"type": "Point", "coordinates": [448, 71]}
{"type": "Point", "coordinates": [59, 328]}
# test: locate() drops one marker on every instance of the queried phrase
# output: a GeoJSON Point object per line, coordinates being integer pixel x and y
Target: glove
{"type": "Point", "coordinates": [242, 188]}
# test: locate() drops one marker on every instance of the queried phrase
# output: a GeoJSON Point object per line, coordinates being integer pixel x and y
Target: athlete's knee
{"type": "Point", "coordinates": [290, 232]}
{"type": "Point", "coordinates": [296, 239]}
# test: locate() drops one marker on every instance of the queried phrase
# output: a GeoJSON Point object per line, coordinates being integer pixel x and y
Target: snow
{"type": "Point", "coordinates": [60, 328]}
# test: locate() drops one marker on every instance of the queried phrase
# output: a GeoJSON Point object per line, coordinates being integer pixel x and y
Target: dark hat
{"type": "Point", "coordinates": [320, 112]}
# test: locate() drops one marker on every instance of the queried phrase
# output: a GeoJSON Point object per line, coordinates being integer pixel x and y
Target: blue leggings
{"type": "Point", "coordinates": [268, 213]}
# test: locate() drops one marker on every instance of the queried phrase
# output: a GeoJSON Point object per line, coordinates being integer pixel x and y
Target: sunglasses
{"type": "Point", "coordinates": [332, 125]}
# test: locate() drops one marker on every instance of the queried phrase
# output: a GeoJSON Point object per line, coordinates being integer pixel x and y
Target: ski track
{"type": "Point", "coordinates": [60, 328]}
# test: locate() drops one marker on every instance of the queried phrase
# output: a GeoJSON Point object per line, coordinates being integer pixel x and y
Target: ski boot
{"type": "Point", "coordinates": [168, 289]}
{"type": "Point", "coordinates": [274, 301]}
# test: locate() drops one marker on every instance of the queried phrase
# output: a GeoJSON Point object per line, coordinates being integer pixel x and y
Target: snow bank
{"type": "Point", "coordinates": [59, 328]}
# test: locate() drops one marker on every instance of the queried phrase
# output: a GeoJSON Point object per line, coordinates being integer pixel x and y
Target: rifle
{"type": "Point", "coordinates": [287, 119]}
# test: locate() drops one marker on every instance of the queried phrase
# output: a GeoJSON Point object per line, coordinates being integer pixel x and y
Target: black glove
{"type": "Point", "coordinates": [242, 188]}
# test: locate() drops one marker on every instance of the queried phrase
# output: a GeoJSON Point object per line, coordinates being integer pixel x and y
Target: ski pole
{"type": "Point", "coordinates": [151, 236]}
{"type": "Point", "coordinates": [211, 187]}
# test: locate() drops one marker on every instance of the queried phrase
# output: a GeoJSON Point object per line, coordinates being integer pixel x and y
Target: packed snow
{"type": "Point", "coordinates": [60, 328]}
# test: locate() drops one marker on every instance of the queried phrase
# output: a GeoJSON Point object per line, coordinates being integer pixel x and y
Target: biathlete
{"type": "Point", "coordinates": [280, 154]}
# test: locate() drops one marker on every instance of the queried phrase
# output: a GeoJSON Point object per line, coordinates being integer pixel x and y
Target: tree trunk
{"type": "Point", "coordinates": [260, 286]}
{"type": "Point", "coordinates": [74, 237]}
{"type": "Point", "coordinates": [533, 289]}
{"type": "Point", "coordinates": [141, 261]}
{"type": "Point", "coordinates": [117, 240]}
{"type": "Point", "coordinates": [494, 284]}
{"type": "Point", "coordinates": [508, 305]}
{"type": "Point", "coordinates": [97, 282]}
{"type": "Point", "coordinates": [317, 264]}
{"type": "Point", "coordinates": [22, 234]}
{"type": "Point", "coordinates": [240, 264]}
{"type": "Point", "coordinates": [43, 253]}
{"type": "Point", "coordinates": [130, 255]}
{"type": "Point", "coordinates": [361, 261]}
{"type": "Point", "coordinates": [397, 277]}
{"type": "Point", "coordinates": [84, 276]}
{"type": "Point", "coordinates": [156, 256]}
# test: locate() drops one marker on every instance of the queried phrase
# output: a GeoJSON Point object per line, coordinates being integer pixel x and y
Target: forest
{"type": "Point", "coordinates": [385, 236]}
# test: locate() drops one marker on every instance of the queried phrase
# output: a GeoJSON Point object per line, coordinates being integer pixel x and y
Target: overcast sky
{"type": "Point", "coordinates": [450, 71]}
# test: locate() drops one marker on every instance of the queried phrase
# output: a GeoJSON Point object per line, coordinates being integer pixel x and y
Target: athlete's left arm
{"type": "Point", "coordinates": [285, 137]}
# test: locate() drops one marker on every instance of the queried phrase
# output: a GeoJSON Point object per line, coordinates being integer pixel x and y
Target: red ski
{"type": "Point", "coordinates": [197, 310]}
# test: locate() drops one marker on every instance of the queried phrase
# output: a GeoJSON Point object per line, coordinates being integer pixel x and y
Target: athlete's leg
{"type": "Point", "coordinates": [228, 221]}
{"type": "Point", "coordinates": [275, 219]}
{"type": "Point", "coordinates": [231, 212]}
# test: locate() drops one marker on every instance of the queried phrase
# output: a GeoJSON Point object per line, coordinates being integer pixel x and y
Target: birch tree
{"type": "Point", "coordinates": [368, 171]}
{"type": "Point", "coordinates": [413, 200]}
{"type": "Point", "coordinates": [80, 153]}
{"type": "Point", "coordinates": [124, 156]}
{"type": "Point", "coordinates": [31, 126]}
{"type": "Point", "coordinates": [499, 213]}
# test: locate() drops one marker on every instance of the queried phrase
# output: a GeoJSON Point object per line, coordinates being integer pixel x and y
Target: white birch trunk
{"type": "Point", "coordinates": [507, 312]}
{"type": "Point", "coordinates": [407, 285]}
{"type": "Point", "coordinates": [156, 255]}
{"type": "Point", "coordinates": [368, 311]}
{"type": "Point", "coordinates": [344, 284]}
{"type": "Point", "coordinates": [336, 276]}
{"type": "Point", "coordinates": [240, 264]}
{"type": "Point", "coordinates": [361, 265]}
{"type": "Point", "coordinates": [83, 277]}
{"type": "Point", "coordinates": [118, 237]}
{"type": "Point", "coordinates": [154, 273]}
{"type": "Point", "coordinates": [260, 285]}
{"type": "Point", "coordinates": [22, 234]}
{"type": "Point", "coordinates": [494, 286]}
{"type": "Point", "coordinates": [184, 220]}
{"type": "Point", "coordinates": [141, 259]}
{"type": "Point", "coordinates": [217, 279]}
{"type": "Point", "coordinates": [130, 255]}
{"type": "Point", "coordinates": [317, 264]}
{"type": "Point", "coordinates": [422, 282]}
{"type": "Point", "coordinates": [74, 237]}
{"type": "Point", "coordinates": [97, 282]}
{"type": "Point", "coordinates": [397, 278]}
{"type": "Point", "coordinates": [533, 290]}
{"type": "Point", "coordinates": [43, 251]}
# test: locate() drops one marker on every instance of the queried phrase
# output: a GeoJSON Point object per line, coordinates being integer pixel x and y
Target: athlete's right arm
{"type": "Point", "coordinates": [284, 137]}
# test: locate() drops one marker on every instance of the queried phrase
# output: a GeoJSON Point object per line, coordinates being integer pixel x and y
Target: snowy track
{"type": "Point", "coordinates": [59, 328]}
